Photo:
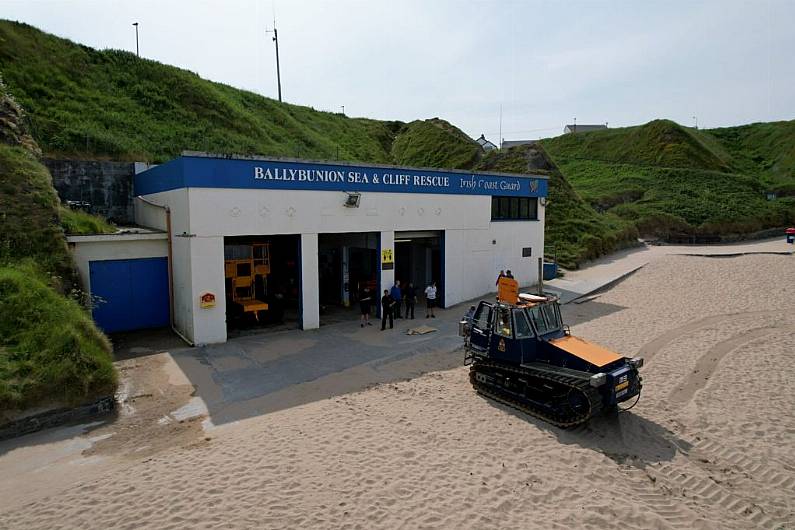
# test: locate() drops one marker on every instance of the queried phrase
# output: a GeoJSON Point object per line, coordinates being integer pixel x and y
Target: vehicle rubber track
{"type": "Point", "coordinates": [551, 374]}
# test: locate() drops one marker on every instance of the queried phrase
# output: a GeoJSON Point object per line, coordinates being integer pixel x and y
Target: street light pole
{"type": "Point", "coordinates": [136, 39]}
{"type": "Point", "coordinates": [278, 72]}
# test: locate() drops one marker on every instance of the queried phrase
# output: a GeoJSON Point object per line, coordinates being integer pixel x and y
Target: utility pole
{"type": "Point", "coordinates": [695, 119]}
{"type": "Point", "coordinates": [136, 39]}
{"type": "Point", "coordinates": [278, 73]}
{"type": "Point", "coordinates": [343, 110]}
{"type": "Point", "coordinates": [500, 138]}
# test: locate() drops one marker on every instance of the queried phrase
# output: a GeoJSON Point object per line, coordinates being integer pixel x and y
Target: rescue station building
{"type": "Point", "coordinates": [239, 241]}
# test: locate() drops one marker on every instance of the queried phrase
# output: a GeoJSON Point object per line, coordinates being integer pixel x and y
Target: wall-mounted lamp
{"type": "Point", "coordinates": [542, 201]}
{"type": "Point", "coordinates": [352, 200]}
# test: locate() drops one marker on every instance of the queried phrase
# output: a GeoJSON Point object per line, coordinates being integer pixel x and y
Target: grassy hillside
{"type": "Point", "coordinates": [110, 104]}
{"type": "Point", "coordinates": [766, 150]}
{"type": "Point", "coordinates": [50, 350]}
{"type": "Point", "coordinates": [658, 143]}
{"type": "Point", "coordinates": [669, 180]}
{"type": "Point", "coordinates": [434, 143]}
{"type": "Point", "coordinates": [573, 229]}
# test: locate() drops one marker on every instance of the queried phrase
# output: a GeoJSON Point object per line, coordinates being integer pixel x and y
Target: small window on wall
{"type": "Point", "coordinates": [514, 208]}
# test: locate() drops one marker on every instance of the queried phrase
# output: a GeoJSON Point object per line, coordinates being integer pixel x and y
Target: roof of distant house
{"type": "Point", "coordinates": [486, 144]}
{"type": "Point", "coordinates": [574, 127]}
{"type": "Point", "coordinates": [513, 143]}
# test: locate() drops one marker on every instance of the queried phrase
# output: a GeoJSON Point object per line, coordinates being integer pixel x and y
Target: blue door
{"type": "Point", "coordinates": [130, 294]}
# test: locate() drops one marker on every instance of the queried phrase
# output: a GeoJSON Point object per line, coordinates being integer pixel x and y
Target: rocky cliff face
{"type": "Point", "coordinates": [12, 125]}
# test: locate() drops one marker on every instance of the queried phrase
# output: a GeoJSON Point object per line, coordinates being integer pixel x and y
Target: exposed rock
{"type": "Point", "coordinates": [13, 130]}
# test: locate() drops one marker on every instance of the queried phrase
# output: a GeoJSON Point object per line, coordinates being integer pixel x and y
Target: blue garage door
{"type": "Point", "coordinates": [133, 293]}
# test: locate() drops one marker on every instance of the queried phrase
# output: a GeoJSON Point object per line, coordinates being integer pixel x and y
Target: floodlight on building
{"type": "Point", "coordinates": [352, 200]}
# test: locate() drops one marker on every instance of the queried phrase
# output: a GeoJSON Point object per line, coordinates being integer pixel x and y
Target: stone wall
{"type": "Point", "coordinates": [105, 187]}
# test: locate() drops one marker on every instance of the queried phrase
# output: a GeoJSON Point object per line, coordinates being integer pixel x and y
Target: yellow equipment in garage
{"type": "Point", "coordinates": [243, 265]}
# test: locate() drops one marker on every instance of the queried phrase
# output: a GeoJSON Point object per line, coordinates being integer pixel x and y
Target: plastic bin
{"type": "Point", "coordinates": [550, 271]}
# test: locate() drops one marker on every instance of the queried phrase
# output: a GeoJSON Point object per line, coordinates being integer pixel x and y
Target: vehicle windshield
{"type": "Point", "coordinates": [545, 318]}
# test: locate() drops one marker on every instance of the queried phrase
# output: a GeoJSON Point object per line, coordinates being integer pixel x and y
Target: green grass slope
{"type": "Point", "coordinates": [50, 350]}
{"type": "Point", "coordinates": [434, 143]}
{"type": "Point", "coordinates": [669, 180]}
{"type": "Point", "coordinates": [573, 229]}
{"type": "Point", "coordinates": [112, 104]}
{"type": "Point", "coordinates": [766, 150]}
{"type": "Point", "coordinates": [658, 143]}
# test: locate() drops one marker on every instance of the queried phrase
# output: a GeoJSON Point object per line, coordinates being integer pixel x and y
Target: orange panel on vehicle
{"type": "Point", "coordinates": [587, 351]}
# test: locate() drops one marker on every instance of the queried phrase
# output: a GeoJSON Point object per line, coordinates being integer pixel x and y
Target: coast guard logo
{"type": "Point", "coordinates": [534, 185]}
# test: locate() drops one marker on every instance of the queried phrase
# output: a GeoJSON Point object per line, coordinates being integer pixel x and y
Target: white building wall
{"type": "Point", "coordinates": [387, 276]}
{"type": "Point", "coordinates": [475, 248]}
{"type": "Point", "coordinates": [473, 258]}
{"type": "Point", "coordinates": [233, 212]}
{"type": "Point", "coordinates": [310, 283]}
{"type": "Point", "coordinates": [207, 275]}
{"type": "Point", "coordinates": [86, 249]}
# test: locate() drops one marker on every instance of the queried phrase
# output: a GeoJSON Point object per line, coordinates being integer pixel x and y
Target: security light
{"type": "Point", "coordinates": [353, 200]}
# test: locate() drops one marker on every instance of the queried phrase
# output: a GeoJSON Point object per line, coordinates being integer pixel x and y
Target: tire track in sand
{"type": "Point", "coordinates": [707, 363]}
{"type": "Point", "coordinates": [710, 492]}
{"type": "Point", "coordinates": [651, 348]}
{"type": "Point", "coordinates": [703, 488]}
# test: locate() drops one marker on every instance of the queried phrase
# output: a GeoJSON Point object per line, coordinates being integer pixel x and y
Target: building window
{"type": "Point", "coordinates": [514, 208]}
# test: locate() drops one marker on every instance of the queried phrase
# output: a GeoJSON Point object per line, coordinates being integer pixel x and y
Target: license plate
{"type": "Point", "coordinates": [622, 386]}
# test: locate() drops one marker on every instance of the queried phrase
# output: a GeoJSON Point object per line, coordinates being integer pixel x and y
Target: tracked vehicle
{"type": "Point", "coordinates": [523, 355]}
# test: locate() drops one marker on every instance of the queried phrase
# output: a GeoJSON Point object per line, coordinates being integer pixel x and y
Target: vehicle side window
{"type": "Point", "coordinates": [482, 317]}
{"type": "Point", "coordinates": [503, 322]}
{"type": "Point", "coordinates": [523, 329]}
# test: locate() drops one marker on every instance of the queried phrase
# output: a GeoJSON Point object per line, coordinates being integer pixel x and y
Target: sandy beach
{"type": "Point", "coordinates": [711, 443]}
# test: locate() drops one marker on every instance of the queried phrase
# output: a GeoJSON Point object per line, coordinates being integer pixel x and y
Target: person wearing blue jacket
{"type": "Point", "coordinates": [397, 296]}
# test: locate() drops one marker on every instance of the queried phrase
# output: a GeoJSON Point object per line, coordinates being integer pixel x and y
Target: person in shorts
{"type": "Point", "coordinates": [365, 301]}
{"type": "Point", "coordinates": [430, 300]}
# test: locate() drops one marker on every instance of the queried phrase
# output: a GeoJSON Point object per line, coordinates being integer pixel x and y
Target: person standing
{"type": "Point", "coordinates": [397, 296]}
{"type": "Point", "coordinates": [500, 275]}
{"type": "Point", "coordinates": [365, 300]}
{"type": "Point", "coordinates": [410, 296]}
{"type": "Point", "coordinates": [386, 310]}
{"type": "Point", "coordinates": [430, 300]}
{"type": "Point", "coordinates": [509, 274]}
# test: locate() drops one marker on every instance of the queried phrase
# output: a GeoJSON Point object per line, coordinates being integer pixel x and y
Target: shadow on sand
{"type": "Point", "coordinates": [625, 437]}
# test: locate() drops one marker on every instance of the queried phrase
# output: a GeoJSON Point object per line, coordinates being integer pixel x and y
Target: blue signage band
{"type": "Point", "coordinates": [244, 173]}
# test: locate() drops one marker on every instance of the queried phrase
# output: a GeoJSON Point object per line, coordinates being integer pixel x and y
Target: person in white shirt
{"type": "Point", "coordinates": [430, 300]}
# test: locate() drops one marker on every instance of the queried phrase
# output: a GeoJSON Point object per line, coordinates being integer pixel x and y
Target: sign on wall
{"type": "Point", "coordinates": [207, 300]}
{"type": "Point", "coordinates": [387, 259]}
{"type": "Point", "coordinates": [206, 172]}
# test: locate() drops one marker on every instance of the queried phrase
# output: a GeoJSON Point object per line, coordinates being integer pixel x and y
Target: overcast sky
{"type": "Point", "coordinates": [727, 62]}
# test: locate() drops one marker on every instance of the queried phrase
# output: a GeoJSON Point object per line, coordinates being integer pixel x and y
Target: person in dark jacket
{"type": "Point", "coordinates": [397, 296]}
{"type": "Point", "coordinates": [387, 304]}
{"type": "Point", "coordinates": [410, 297]}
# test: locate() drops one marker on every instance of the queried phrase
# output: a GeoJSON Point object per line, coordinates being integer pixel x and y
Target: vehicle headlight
{"type": "Point", "coordinates": [598, 380]}
{"type": "Point", "coordinates": [637, 362]}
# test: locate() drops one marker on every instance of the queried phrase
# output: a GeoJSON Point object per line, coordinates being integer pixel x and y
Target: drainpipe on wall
{"type": "Point", "coordinates": [170, 269]}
